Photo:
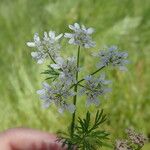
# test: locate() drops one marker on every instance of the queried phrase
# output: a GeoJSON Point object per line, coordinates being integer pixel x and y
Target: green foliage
{"type": "Point", "coordinates": [87, 134]}
{"type": "Point", "coordinates": [51, 73]}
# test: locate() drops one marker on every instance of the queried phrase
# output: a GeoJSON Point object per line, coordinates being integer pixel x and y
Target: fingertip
{"type": "Point", "coordinates": [32, 139]}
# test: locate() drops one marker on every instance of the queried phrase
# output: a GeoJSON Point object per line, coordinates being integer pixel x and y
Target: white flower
{"type": "Point", "coordinates": [92, 99]}
{"type": "Point", "coordinates": [81, 36]}
{"type": "Point", "coordinates": [48, 45]}
{"type": "Point", "coordinates": [52, 37]}
{"type": "Point", "coordinates": [95, 87]}
{"type": "Point", "coordinates": [31, 44]}
{"type": "Point", "coordinates": [57, 93]}
{"type": "Point", "coordinates": [59, 63]}
{"type": "Point", "coordinates": [36, 43]}
{"type": "Point", "coordinates": [113, 57]}
{"type": "Point", "coordinates": [39, 56]}
{"type": "Point", "coordinates": [69, 107]}
{"type": "Point", "coordinates": [67, 69]}
{"type": "Point", "coordinates": [51, 43]}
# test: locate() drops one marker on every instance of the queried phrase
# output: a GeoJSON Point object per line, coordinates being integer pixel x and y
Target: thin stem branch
{"type": "Point", "coordinates": [51, 58]}
{"type": "Point", "coordinates": [75, 97]}
{"type": "Point", "coordinates": [53, 61]}
{"type": "Point", "coordinates": [90, 74]}
{"type": "Point", "coordinates": [81, 85]}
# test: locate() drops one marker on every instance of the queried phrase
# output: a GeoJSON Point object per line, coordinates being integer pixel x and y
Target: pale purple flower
{"type": "Point", "coordinates": [57, 94]}
{"type": "Point", "coordinates": [112, 57]}
{"type": "Point", "coordinates": [69, 107]}
{"type": "Point", "coordinates": [81, 36]}
{"type": "Point", "coordinates": [67, 68]}
{"type": "Point", "coordinates": [95, 87]}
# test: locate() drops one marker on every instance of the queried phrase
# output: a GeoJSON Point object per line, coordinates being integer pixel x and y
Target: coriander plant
{"type": "Point", "coordinates": [64, 87]}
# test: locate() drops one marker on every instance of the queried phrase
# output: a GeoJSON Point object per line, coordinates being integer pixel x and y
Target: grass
{"type": "Point", "coordinates": [124, 23]}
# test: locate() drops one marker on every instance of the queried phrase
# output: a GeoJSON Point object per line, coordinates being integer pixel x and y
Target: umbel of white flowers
{"type": "Point", "coordinates": [80, 36]}
{"type": "Point", "coordinates": [112, 57]}
{"type": "Point", "coordinates": [95, 87]}
{"type": "Point", "coordinates": [48, 46]}
{"type": "Point", "coordinates": [60, 92]}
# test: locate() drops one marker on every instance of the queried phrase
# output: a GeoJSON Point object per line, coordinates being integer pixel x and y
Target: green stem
{"type": "Point", "coordinates": [51, 58]}
{"type": "Point", "coordinates": [75, 97]}
{"type": "Point", "coordinates": [53, 61]}
{"type": "Point", "coordinates": [90, 74]}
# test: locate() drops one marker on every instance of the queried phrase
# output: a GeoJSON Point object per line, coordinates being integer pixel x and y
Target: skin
{"type": "Point", "coordinates": [28, 139]}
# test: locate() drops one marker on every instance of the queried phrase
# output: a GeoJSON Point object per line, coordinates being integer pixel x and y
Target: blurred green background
{"type": "Point", "coordinates": [125, 23]}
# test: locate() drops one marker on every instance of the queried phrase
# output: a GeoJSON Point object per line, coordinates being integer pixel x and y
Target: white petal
{"type": "Point", "coordinates": [92, 44]}
{"type": "Point", "coordinates": [77, 26]}
{"type": "Point", "coordinates": [102, 76]}
{"type": "Point", "coordinates": [45, 34]}
{"type": "Point", "coordinates": [125, 62]}
{"type": "Point", "coordinates": [44, 97]}
{"type": "Point", "coordinates": [46, 104]}
{"type": "Point", "coordinates": [125, 55]}
{"type": "Point", "coordinates": [31, 44]}
{"type": "Point", "coordinates": [60, 60]}
{"type": "Point", "coordinates": [46, 86]}
{"type": "Point", "coordinates": [34, 54]}
{"type": "Point", "coordinates": [36, 38]}
{"type": "Point", "coordinates": [72, 27]}
{"type": "Point", "coordinates": [86, 45]}
{"type": "Point", "coordinates": [90, 30]}
{"type": "Point", "coordinates": [55, 66]}
{"type": "Point", "coordinates": [61, 110]}
{"type": "Point", "coordinates": [96, 102]}
{"type": "Point", "coordinates": [59, 36]}
{"type": "Point", "coordinates": [38, 57]}
{"type": "Point", "coordinates": [68, 35]}
{"type": "Point", "coordinates": [52, 34]}
{"type": "Point", "coordinates": [113, 48]}
{"type": "Point", "coordinates": [88, 78]}
{"type": "Point", "coordinates": [107, 82]}
{"type": "Point", "coordinates": [71, 41]}
{"type": "Point", "coordinates": [62, 75]}
{"type": "Point", "coordinates": [83, 27]}
{"type": "Point", "coordinates": [40, 92]}
{"type": "Point", "coordinates": [40, 61]}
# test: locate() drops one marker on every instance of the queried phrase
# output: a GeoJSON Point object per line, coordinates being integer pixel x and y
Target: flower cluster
{"type": "Point", "coordinates": [134, 141]}
{"type": "Point", "coordinates": [95, 87]}
{"type": "Point", "coordinates": [122, 145]}
{"type": "Point", "coordinates": [48, 46]}
{"type": "Point", "coordinates": [67, 69]}
{"type": "Point", "coordinates": [63, 72]}
{"type": "Point", "coordinates": [81, 36]}
{"type": "Point", "coordinates": [112, 57]}
{"type": "Point", "coordinates": [136, 138]}
{"type": "Point", "coordinates": [57, 94]}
